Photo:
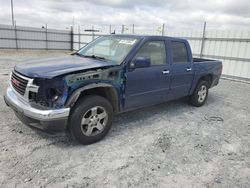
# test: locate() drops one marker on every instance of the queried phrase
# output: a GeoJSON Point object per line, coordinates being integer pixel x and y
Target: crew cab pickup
{"type": "Point", "coordinates": [113, 74]}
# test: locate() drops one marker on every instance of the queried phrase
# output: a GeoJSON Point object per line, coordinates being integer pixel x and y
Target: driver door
{"type": "Point", "coordinates": [148, 85]}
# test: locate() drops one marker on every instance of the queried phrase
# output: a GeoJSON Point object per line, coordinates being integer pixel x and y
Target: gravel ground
{"type": "Point", "coordinates": [168, 145]}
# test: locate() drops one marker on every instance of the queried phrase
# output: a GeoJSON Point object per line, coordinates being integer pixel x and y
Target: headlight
{"type": "Point", "coordinates": [54, 98]}
{"type": "Point", "coordinates": [54, 94]}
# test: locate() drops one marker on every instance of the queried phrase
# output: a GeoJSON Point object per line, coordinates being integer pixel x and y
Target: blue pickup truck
{"type": "Point", "coordinates": [113, 74]}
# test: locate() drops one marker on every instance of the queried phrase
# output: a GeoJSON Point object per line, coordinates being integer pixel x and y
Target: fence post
{"type": "Point", "coordinates": [79, 37]}
{"type": "Point", "coordinates": [16, 36]}
{"type": "Point", "coordinates": [203, 39]}
{"type": "Point", "coordinates": [163, 28]}
{"type": "Point", "coordinates": [46, 36]}
{"type": "Point", "coordinates": [72, 38]}
{"type": "Point", "coordinates": [93, 33]}
{"type": "Point", "coordinates": [122, 29]}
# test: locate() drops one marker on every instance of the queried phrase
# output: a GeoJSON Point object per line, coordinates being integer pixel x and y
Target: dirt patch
{"type": "Point", "coordinates": [164, 142]}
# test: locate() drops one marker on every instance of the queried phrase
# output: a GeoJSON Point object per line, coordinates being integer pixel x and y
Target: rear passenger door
{"type": "Point", "coordinates": [181, 69]}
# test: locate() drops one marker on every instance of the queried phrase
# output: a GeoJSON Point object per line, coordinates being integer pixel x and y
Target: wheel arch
{"type": "Point", "coordinates": [105, 90]}
{"type": "Point", "coordinates": [206, 77]}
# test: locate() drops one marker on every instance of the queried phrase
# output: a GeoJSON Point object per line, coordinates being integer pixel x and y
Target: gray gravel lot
{"type": "Point", "coordinates": [168, 145]}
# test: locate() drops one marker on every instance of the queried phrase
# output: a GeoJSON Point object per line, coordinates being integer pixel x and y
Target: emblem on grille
{"type": "Point", "coordinates": [15, 81]}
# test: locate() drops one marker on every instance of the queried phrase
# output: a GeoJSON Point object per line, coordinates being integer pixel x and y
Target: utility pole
{"type": "Point", "coordinates": [163, 29]}
{"type": "Point", "coordinates": [12, 13]}
{"type": "Point", "coordinates": [203, 39]}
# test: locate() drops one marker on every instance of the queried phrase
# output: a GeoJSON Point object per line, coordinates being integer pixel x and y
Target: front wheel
{"type": "Point", "coordinates": [198, 98]}
{"type": "Point", "coordinates": [91, 119]}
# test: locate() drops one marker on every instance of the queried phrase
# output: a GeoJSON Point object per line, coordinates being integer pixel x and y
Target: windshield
{"type": "Point", "coordinates": [110, 48]}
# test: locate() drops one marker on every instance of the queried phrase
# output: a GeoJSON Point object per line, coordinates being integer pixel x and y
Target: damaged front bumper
{"type": "Point", "coordinates": [51, 120]}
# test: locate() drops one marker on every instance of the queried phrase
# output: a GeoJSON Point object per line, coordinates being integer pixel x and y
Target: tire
{"type": "Point", "coordinates": [199, 96]}
{"type": "Point", "coordinates": [91, 119]}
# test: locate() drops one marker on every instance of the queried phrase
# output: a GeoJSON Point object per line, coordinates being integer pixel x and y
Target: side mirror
{"type": "Point", "coordinates": [140, 62]}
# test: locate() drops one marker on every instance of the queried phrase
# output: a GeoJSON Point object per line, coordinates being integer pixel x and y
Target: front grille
{"type": "Point", "coordinates": [18, 83]}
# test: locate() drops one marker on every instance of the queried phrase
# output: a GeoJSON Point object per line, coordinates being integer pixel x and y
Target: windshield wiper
{"type": "Point", "coordinates": [89, 56]}
{"type": "Point", "coordinates": [94, 57]}
{"type": "Point", "coordinates": [77, 53]}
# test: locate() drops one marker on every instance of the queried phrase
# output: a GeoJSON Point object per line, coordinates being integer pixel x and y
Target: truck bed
{"type": "Point", "coordinates": [198, 60]}
{"type": "Point", "coordinates": [208, 67]}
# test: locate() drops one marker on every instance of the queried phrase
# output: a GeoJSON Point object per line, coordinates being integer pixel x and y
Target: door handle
{"type": "Point", "coordinates": [188, 69]}
{"type": "Point", "coordinates": [165, 72]}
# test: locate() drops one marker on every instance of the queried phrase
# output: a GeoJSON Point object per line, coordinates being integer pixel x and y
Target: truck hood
{"type": "Point", "coordinates": [52, 67]}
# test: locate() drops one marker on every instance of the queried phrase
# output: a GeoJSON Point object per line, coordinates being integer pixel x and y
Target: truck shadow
{"type": "Point", "coordinates": [143, 117]}
{"type": "Point", "coordinates": [172, 108]}
{"type": "Point", "coordinates": [140, 118]}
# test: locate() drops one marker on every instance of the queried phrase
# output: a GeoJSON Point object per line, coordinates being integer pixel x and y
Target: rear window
{"type": "Point", "coordinates": [180, 55]}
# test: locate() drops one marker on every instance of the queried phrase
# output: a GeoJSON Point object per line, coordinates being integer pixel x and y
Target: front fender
{"type": "Point", "coordinates": [75, 95]}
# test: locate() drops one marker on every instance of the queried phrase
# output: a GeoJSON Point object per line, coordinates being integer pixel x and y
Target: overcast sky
{"type": "Point", "coordinates": [176, 14]}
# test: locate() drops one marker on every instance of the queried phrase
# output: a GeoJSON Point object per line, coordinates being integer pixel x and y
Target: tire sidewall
{"type": "Point", "coordinates": [82, 106]}
{"type": "Point", "coordinates": [194, 98]}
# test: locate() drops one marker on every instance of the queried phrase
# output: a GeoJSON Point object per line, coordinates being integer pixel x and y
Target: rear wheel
{"type": "Point", "coordinates": [198, 98]}
{"type": "Point", "coordinates": [91, 119]}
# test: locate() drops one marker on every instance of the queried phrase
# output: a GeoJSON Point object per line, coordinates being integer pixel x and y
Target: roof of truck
{"type": "Point", "coordinates": [147, 36]}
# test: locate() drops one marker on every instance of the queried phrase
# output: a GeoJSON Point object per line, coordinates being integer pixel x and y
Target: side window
{"type": "Point", "coordinates": [155, 51]}
{"type": "Point", "coordinates": [180, 55]}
